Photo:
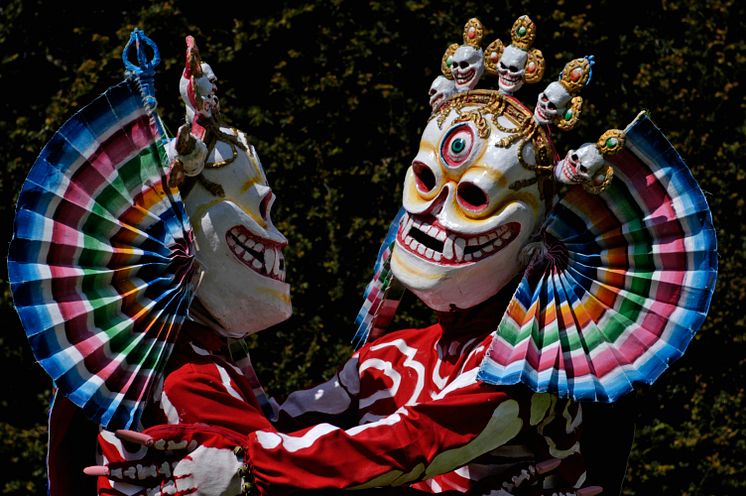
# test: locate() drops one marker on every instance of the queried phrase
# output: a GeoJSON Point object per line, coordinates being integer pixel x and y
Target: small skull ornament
{"type": "Point", "coordinates": [511, 68]}
{"type": "Point", "coordinates": [207, 89]}
{"type": "Point", "coordinates": [467, 67]}
{"type": "Point", "coordinates": [580, 166]}
{"type": "Point", "coordinates": [552, 103]}
{"type": "Point", "coordinates": [440, 90]}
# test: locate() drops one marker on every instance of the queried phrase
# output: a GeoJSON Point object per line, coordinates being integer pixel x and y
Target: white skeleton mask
{"type": "Point", "coordinates": [459, 242]}
{"type": "Point", "coordinates": [467, 66]}
{"type": "Point", "coordinates": [552, 102]}
{"type": "Point", "coordinates": [243, 288]}
{"type": "Point", "coordinates": [511, 69]}
{"type": "Point", "coordinates": [580, 166]}
{"type": "Point", "coordinates": [440, 90]}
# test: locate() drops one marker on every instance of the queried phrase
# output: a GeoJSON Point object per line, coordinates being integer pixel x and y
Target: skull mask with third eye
{"type": "Point", "coordinates": [471, 202]}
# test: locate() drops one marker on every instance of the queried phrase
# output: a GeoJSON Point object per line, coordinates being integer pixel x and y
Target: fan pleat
{"type": "Point", "coordinates": [633, 285]}
{"type": "Point", "coordinates": [102, 259]}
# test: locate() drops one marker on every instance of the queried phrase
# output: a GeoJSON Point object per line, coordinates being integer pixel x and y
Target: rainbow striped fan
{"type": "Point", "coordinates": [383, 293]}
{"type": "Point", "coordinates": [102, 260]}
{"type": "Point", "coordinates": [626, 281]}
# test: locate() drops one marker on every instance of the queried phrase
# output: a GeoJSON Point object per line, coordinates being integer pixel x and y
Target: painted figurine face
{"type": "Point", "coordinates": [552, 102]}
{"type": "Point", "coordinates": [467, 66]}
{"type": "Point", "coordinates": [579, 166]}
{"type": "Point", "coordinates": [511, 68]}
{"type": "Point", "coordinates": [440, 90]}
{"type": "Point", "coordinates": [202, 97]}
{"type": "Point", "coordinates": [459, 242]}
{"type": "Point", "coordinates": [244, 287]}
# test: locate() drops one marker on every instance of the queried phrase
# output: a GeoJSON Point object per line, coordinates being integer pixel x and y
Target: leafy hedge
{"type": "Point", "coordinates": [333, 95]}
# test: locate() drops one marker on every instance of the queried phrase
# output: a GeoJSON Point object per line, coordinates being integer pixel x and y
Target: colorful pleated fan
{"type": "Point", "coordinates": [383, 293]}
{"type": "Point", "coordinates": [626, 281]}
{"type": "Point", "coordinates": [102, 259]}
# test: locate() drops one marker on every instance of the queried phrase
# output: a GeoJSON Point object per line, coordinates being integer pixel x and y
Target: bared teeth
{"type": "Point", "coordinates": [454, 249]}
{"type": "Point", "coordinates": [265, 258]}
{"type": "Point", "coordinates": [269, 260]}
{"type": "Point", "coordinates": [448, 248]}
{"type": "Point", "coordinates": [458, 248]}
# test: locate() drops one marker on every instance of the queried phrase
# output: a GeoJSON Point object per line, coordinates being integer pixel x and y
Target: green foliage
{"type": "Point", "coordinates": [333, 95]}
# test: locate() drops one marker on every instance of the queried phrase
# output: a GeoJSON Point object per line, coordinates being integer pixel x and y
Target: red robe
{"type": "Point", "coordinates": [404, 410]}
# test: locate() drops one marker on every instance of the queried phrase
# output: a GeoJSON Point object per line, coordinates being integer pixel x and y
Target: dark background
{"type": "Point", "coordinates": [334, 97]}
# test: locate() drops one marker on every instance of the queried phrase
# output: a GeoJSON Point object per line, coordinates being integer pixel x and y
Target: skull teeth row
{"type": "Point", "coordinates": [263, 257]}
{"type": "Point", "coordinates": [570, 171]}
{"type": "Point", "coordinates": [142, 472]}
{"type": "Point", "coordinates": [455, 249]}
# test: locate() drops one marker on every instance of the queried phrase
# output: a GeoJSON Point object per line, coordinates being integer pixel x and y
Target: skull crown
{"type": "Point", "coordinates": [559, 104]}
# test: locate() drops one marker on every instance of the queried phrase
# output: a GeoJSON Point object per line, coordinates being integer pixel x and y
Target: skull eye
{"type": "Point", "coordinates": [464, 64]}
{"type": "Point", "coordinates": [574, 157]}
{"type": "Point", "coordinates": [543, 98]}
{"type": "Point", "coordinates": [457, 145]}
{"type": "Point", "coordinates": [503, 66]}
{"type": "Point", "coordinates": [432, 91]}
{"type": "Point", "coordinates": [454, 65]}
{"type": "Point", "coordinates": [472, 197]}
{"type": "Point", "coordinates": [424, 177]}
{"type": "Point", "coordinates": [551, 106]}
{"type": "Point", "coordinates": [513, 68]}
{"type": "Point", "coordinates": [582, 168]}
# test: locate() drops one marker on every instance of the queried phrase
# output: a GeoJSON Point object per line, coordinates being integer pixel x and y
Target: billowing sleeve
{"type": "Point", "coordinates": [211, 393]}
{"type": "Point", "coordinates": [464, 421]}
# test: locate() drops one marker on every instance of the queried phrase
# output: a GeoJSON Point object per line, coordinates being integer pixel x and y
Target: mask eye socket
{"type": "Point", "coordinates": [457, 146]}
{"type": "Point", "coordinates": [424, 177]}
{"type": "Point", "coordinates": [471, 197]}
